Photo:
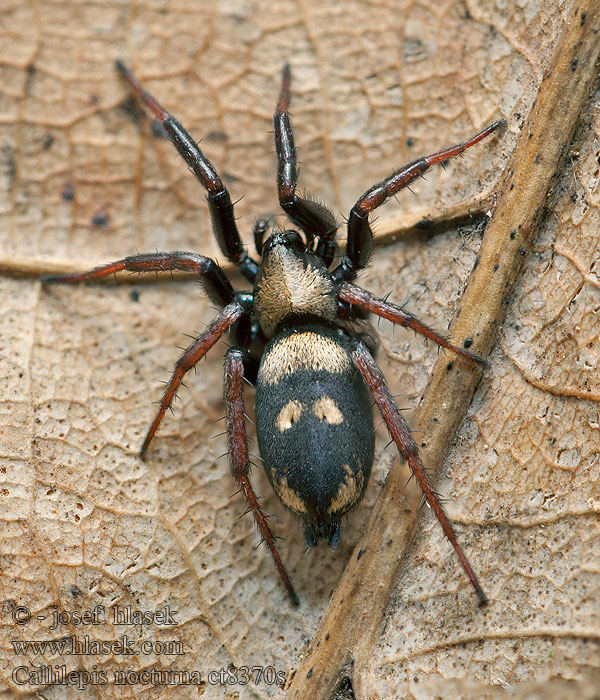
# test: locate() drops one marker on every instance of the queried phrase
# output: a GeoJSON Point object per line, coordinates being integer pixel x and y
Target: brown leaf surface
{"type": "Point", "coordinates": [87, 523]}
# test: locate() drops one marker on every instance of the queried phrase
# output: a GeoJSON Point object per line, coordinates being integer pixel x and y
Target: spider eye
{"type": "Point", "coordinates": [287, 239]}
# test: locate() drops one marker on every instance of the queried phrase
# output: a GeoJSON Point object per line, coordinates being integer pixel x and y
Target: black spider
{"type": "Point", "coordinates": [296, 335]}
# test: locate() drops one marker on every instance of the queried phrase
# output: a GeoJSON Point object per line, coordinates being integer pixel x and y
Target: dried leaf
{"type": "Point", "coordinates": [84, 181]}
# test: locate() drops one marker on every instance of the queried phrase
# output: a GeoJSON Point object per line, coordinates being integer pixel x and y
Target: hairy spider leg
{"type": "Point", "coordinates": [360, 236]}
{"type": "Point", "coordinates": [312, 217]}
{"type": "Point", "coordinates": [365, 300]}
{"type": "Point", "coordinates": [214, 282]}
{"type": "Point", "coordinates": [401, 434]}
{"type": "Point", "coordinates": [238, 451]}
{"type": "Point", "coordinates": [219, 201]}
{"type": "Point", "coordinates": [192, 355]}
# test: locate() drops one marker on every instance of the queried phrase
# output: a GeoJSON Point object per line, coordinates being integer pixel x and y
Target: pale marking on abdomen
{"type": "Point", "coordinates": [307, 351]}
{"type": "Point", "coordinates": [288, 415]}
{"type": "Point", "coordinates": [327, 409]}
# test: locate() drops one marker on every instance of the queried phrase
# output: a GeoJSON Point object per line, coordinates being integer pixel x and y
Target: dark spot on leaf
{"type": "Point", "coordinates": [132, 109]}
{"type": "Point", "coordinates": [68, 192]}
{"type": "Point", "coordinates": [424, 224]}
{"type": "Point", "coordinates": [100, 219]}
{"type": "Point", "coordinates": [216, 137]}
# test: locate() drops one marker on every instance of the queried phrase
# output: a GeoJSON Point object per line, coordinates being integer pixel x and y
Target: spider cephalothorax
{"type": "Point", "coordinates": [300, 335]}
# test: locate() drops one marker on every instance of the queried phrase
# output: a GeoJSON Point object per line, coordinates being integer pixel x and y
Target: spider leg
{"type": "Point", "coordinates": [360, 297]}
{"type": "Point", "coordinates": [260, 229]}
{"type": "Point", "coordinates": [408, 449]}
{"type": "Point", "coordinates": [238, 449]}
{"type": "Point", "coordinates": [312, 217]}
{"type": "Point", "coordinates": [193, 353]}
{"type": "Point", "coordinates": [219, 201]}
{"type": "Point", "coordinates": [360, 237]}
{"type": "Point", "coordinates": [213, 279]}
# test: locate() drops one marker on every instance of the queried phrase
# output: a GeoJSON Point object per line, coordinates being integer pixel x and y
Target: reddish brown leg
{"type": "Point", "coordinates": [190, 357]}
{"type": "Point", "coordinates": [365, 300]}
{"type": "Point", "coordinates": [238, 450]}
{"type": "Point", "coordinates": [213, 278]}
{"type": "Point", "coordinates": [360, 237]}
{"type": "Point", "coordinates": [408, 449]}
{"type": "Point", "coordinates": [310, 216]}
{"type": "Point", "coordinates": [219, 201]}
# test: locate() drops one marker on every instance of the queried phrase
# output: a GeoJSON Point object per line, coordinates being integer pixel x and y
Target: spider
{"type": "Point", "coordinates": [298, 337]}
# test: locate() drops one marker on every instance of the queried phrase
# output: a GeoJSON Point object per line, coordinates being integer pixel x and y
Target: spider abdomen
{"type": "Point", "coordinates": [314, 426]}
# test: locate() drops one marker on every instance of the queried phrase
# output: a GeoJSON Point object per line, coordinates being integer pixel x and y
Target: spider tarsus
{"type": "Point", "coordinates": [50, 279]}
{"type": "Point", "coordinates": [481, 360]}
{"type": "Point", "coordinates": [284, 98]}
{"type": "Point", "coordinates": [121, 66]}
{"type": "Point", "coordinates": [146, 97]}
{"type": "Point", "coordinates": [498, 124]}
{"type": "Point", "coordinates": [483, 599]}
